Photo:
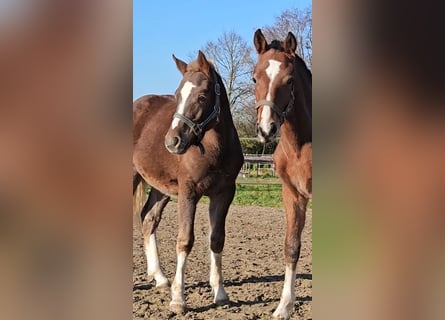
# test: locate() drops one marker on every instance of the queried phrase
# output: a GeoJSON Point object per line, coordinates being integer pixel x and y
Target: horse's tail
{"type": "Point", "coordinates": [139, 193]}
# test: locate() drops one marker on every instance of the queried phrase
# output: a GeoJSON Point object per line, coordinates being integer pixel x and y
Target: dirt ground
{"type": "Point", "coordinates": [253, 267]}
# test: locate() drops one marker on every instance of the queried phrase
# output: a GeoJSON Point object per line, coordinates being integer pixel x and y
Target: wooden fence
{"type": "Point", "coordinates": [257, 165]}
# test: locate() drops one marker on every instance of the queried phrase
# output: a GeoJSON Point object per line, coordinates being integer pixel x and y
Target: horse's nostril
{"type": "Point", "coordinates": [273, 128]}
{"type": "Point", "coordinates": [175, 141]}
{"type": "Point", "coordinates": [172, 142]}
{"type": "Point", "coordinates": [261, 132]}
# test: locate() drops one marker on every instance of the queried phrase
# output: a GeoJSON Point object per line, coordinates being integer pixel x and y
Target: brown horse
{"type": "Point", "coordinates": [186, 145]}
{"type": "Point", "coordinates": [284, 101]}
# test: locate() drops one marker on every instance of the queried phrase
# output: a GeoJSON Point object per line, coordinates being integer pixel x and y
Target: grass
{"type": "Point", "coordinates": [258, 194]}
{"type": "Point", "coordinates": [262, 195]}
{"type": "Point", "coordinates": [262, 192]}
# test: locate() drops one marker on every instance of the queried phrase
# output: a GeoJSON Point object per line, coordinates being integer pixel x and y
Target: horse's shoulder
{"type": "Point", "coordinates": [306, 151]}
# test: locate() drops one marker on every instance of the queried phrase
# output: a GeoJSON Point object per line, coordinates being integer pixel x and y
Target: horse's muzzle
{"type": "Point", "coordinates": [174, 144]}
{"type": "Point", "coordinates": [267, 136]}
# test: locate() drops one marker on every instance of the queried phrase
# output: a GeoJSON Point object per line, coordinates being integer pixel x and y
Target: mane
{"type": "Point", "coordinates": [302, 66]}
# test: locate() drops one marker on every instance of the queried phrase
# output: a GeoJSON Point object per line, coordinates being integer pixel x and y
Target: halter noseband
{"type": "Point", "coordinates": [281, 113]}
{"type": "Point", "coordinates": [198, 128]}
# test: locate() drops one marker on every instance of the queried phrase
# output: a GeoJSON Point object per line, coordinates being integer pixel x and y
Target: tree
{"type": "Point", "coordinates": [299, 22]}
{"type": "Point", "coordinates": [232, 57]}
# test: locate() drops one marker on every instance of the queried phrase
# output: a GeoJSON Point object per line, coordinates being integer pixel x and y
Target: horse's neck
{"type": "Point", "coordinates": [225, 124]}
{"type": "Point", "coordinates": [297, 128]}
{"type": "Point", "coordinates": [225, 116]}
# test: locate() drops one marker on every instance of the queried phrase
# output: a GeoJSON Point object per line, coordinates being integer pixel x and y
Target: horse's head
{"type": "Point", "coordinates": [274, 83]}
{"type": "Point", "coordinates": [198, 104]}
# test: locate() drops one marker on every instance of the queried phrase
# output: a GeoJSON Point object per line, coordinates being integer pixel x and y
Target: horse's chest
{"type": "Point", "coordinates": [295, 170]}
{"type": "Point", "coordinates": [206, 183]}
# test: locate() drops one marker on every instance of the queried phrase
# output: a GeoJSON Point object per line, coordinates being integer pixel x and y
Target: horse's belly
{"type": "Point", "coordinates": [169, 187]}
{"type": "Point", "coordinates": [158, 178]}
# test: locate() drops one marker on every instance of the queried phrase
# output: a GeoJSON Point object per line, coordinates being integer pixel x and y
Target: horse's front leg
{"type": "Point", "coordinates": [295, 207]}
{"type": "Point", "coordinates": [187, 200]}
{"type": "Point", "coordinates": [219, 206]}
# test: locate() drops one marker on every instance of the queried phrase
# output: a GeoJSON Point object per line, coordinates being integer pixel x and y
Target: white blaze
{"type": "Point", "coordinates": [272, 70]}
{"type": "Point", "coordinates": [184, 95]}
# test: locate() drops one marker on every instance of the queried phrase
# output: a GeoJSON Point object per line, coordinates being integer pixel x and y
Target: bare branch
{"type": "Point", "coordinates": [299, 22]}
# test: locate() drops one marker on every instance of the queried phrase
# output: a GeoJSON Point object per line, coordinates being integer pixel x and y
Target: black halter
{"type": "Point", "coordinates": [198, 128]}
{"type": "Point", "coordinates": [281, 113]}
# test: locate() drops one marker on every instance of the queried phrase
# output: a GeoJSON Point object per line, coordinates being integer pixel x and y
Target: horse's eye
{"type": "Point", "coordinates": [201, 99]}
{"type": "Point", "coordinates": [290, 80]}
{"type": "Point", "coordinates": [254, 80]}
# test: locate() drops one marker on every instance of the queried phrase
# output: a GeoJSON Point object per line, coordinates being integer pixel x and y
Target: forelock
{"type": "Point", "coordinates": [277, 45]}
{"type": "Point", "coordinates": [195, 67]}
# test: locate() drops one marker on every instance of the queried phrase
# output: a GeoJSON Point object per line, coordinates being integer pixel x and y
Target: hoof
{"type": "Point", "coordinates": [222, 302]}
{"type": "Point", "coordinates": [281, 315]}
{"type": "Point", "coordinates": [163, 284]}
{"type": "Point", "coordinates": [160, 280]}
{"type": "Point", "coordinates": [177, 308]}
{"type": "Point", "coordinates": [221, 298]}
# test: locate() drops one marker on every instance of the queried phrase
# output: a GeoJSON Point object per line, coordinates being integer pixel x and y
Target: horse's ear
{"type": "Point", "coordinates": [290, 44]}
{"type": "Point", "coordinates": [260, 41]}
{"type": "Point", "coordinates": [203, 63]}
{"type": "Point", "coordinates": [181, 65]}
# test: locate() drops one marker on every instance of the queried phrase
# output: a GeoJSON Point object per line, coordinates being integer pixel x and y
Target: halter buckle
{"type": "Point", "coordinates": [197, 129]}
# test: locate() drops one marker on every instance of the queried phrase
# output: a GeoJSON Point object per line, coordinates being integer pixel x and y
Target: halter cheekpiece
{"type": "Point", "coordinates": [198, 128]}
{"type": "Point", "coordinates": [281, 113]}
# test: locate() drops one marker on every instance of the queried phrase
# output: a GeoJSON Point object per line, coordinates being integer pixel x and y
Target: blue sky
{"type": "Point", "coordinates": [161, 28]}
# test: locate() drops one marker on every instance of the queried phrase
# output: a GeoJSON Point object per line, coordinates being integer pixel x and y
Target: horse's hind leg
{"type": "Point", "coordinates": [295, 207]}
{"type": "Point", "coordinates": [151, 215]}
{"type": "Point", "coordinates": [136, 180]}
{"type": "Point", "coordinates": [219, 206]}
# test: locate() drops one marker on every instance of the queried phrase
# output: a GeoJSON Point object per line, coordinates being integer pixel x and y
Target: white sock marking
{"type": "Point", "coordinates": [216, 279]}
{"type": "Point", "coordinates": [153, 265]}
{"type": "Point", "coordinates": [288, 294]}
{"type": "Point", "coordinates": [178, 283]}
{"type": "Point", "coordinates": [184, 95]}
{"type": "Point", "coordinates": [215, 268]}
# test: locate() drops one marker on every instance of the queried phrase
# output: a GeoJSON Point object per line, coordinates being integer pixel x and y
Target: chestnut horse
{"type": "Point", "coordinates": [186, 145]}
{"type": "Point", "coordinates": [283, 93]}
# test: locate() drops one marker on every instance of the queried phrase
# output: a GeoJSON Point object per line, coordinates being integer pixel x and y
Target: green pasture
{"type": "Point", "coordinates": [258, 194]}
{"type": "Point", "coordinates": [262, 192]}
{"type": "Point", "coordinates": [252, 192]}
